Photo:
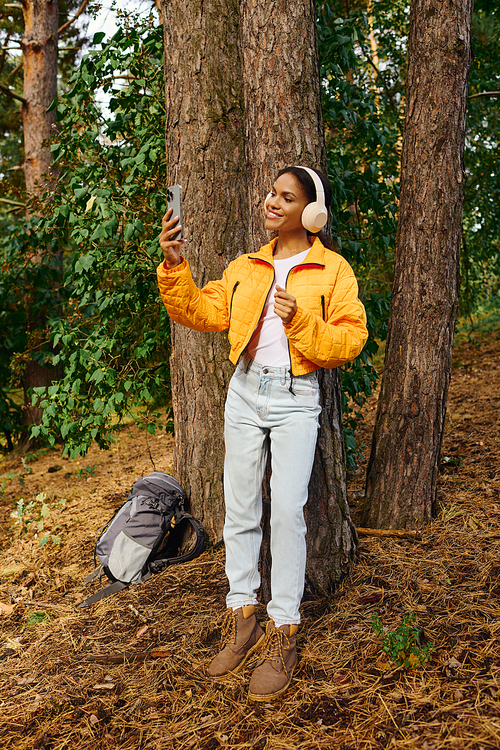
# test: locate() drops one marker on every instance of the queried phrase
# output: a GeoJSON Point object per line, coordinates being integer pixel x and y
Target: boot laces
{"type": "Point", "coordinates": [273, 648]}
{"type": "Point", "coordinates": [228, 628]}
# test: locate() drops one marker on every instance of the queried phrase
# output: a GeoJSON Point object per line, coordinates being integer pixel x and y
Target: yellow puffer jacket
{"type": "Point", "coordinates": [328, 329]}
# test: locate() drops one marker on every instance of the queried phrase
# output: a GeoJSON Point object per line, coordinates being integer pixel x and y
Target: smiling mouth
{"type": "Point", "coordinates": [272, 215]}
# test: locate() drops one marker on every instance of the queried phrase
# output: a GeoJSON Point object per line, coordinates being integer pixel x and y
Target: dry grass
{"type": "Point", "coordinates": [92, 679]}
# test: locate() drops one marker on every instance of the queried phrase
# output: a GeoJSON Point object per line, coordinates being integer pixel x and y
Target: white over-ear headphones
{"type": "Point", "coordinates": [315, 214]}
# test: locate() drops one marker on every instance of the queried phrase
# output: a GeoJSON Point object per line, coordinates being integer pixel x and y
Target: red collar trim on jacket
{"type": "Point", "coordinates": [316, 254]}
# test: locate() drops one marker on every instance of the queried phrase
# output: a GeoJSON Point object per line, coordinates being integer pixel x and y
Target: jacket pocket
{"type": "Point", "coordinates": [323, 307]}
{"type": "Point", "coordinates": [231, 302]}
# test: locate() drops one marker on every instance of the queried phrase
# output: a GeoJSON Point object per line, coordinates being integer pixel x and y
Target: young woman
{"type": "Point", "coordinates": [290, 308]}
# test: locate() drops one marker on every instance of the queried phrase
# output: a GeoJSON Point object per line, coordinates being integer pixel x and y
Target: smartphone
{"type": "Point", "coordinates": [174, 200]}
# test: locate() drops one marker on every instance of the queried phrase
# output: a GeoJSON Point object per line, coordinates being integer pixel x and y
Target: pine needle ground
{"type": "Point", "coordinates": [129, 673]}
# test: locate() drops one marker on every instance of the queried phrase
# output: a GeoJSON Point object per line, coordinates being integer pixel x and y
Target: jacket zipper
{"type": "Point", "coordinates": [263, 306]}
{"type": "Point", "coordinates": [304, 263]}
{"type": "Point", "coordinates": [287, 340]}
{"type": "Point", "coordinates": [231, 303]}
{"type": "Point", "coordinates": [323, 307]}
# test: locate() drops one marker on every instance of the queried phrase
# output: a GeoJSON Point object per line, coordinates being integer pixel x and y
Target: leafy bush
{"type": "Point", "coordinates": [112, 338]}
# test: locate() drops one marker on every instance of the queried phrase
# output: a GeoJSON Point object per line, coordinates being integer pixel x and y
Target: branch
{"type": "Point", "coordinates": [382, 533]}
{"type": "Point", "coordinates": [384, 82]}
{"type": "Point", "coordinates": [78, 13]}
{"type": "Point", "coordinates": [4, 56]}
{"type": "Point", "coordinates": [12, 203]}
{"type": "Point", "coordinates": [484, 93]}
{"type": "Point", "coordinates": [15, 70]}
{"type": "Point", "coordinates": [12, 94]}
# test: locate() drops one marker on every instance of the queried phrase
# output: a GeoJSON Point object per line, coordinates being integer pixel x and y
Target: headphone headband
{"type": "Point", "coordinates": [315, 214]}
{"type": "Point", "coordinates": [320, 191]}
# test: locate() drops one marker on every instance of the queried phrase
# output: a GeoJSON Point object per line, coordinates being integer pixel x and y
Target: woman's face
{"type": "Point", "coordinates": [285, 205]}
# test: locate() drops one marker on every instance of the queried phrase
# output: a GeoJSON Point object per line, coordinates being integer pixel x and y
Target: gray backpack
{"type": "Point", "coordinates": [144, 535]}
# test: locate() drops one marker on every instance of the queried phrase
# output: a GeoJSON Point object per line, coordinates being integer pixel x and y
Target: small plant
{"type": "Point", "coordinates": [36, 454]}
{"type": "Point", "coordinates": [27, 469]}
{"type": "Point", "coordinates": [403, 646]}
{"type": "Point", "coordinates": [452, 461]}
{"type": "Point", "coordinates": [85, 472]}
{"type": "Point", "coordinates": [4, 479]}
{"type": "Point", "coordinates": [37, 511]}
{"type": "Point", "coordinates": [36, 618]}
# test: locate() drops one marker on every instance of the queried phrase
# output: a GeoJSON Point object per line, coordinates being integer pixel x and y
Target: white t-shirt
{"type": "Point", "coordinates": [269, 344]}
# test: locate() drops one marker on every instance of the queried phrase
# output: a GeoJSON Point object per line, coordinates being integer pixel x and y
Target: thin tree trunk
{"type": "Point", "coordinates": [39, 45]}
{"type": "Point", "coordinates": [403, 467]}
{"type": "Point", "coordinates": [283, 126]}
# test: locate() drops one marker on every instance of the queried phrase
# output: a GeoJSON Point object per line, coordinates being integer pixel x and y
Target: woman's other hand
{"type": "Point", "coordinates": [171, 248]}
{"type": "Point", "coordinates": [285, 306]}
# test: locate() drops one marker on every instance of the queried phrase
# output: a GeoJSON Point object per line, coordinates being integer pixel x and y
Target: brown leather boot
{"type": "Point", "coordinates": [241, 636]}
{"type": "Point", "coordinates": [274, 670]}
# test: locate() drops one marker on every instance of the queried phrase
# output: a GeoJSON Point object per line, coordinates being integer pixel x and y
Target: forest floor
{"type": "Point", "coordinates": [129, 672]}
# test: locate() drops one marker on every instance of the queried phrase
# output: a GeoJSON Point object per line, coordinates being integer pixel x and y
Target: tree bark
{"type": "Point", "coordinates": [403, 466]}
{"type": "Point", "coordinates": [205, 154]}
{"type": "Point", "coordinates": [243, 100]}
{"type": "Point", "coordinates": [39, 46]}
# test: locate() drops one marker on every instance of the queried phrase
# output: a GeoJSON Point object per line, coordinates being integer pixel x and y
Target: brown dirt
{"type": "Point", "coordinates": [102, 679]}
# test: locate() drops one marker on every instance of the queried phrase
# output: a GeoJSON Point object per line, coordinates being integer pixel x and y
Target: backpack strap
{"type": "Point", "coordinates": [199, 545]}
{"type": "Point", "coordinates": [110, 588]}
{"type": "Point", "coordinates": [97, 572]}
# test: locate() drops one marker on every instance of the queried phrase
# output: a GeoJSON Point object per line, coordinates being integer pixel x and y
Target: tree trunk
{"type": "Point", "coordinates": [205, 154]}
{"type": "Point", "coordinates": [243, 100]}
{"type": "Point", "coordinates": [403, 466]}
{"type": "Point", "coordinates": [283, 126]}
{"type": "Point", "coordinates": [39, 45]}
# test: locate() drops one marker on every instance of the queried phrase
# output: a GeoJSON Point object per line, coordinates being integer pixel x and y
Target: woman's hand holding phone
{"type": "Point", "coordinates": [171, 248]}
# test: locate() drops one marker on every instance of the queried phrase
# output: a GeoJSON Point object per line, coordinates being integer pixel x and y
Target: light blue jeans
{"type": "Point", "coordinates": [262, 413]}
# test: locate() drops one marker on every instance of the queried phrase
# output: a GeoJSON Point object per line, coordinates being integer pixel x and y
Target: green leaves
{"type": "Point", "coordinates": [362, 135]}
{"type": "Point", "coordinates": [36, 512]}
{"type": "Point", "coordinates": [109, 334]}
{"type": "Point", "coordinates": [404, 646]}
{"type": "Point", "coordinates": [129, 232]}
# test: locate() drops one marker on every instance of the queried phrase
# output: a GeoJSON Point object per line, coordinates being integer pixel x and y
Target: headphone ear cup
{"type": "Point", "coordinates": [314, 217]}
